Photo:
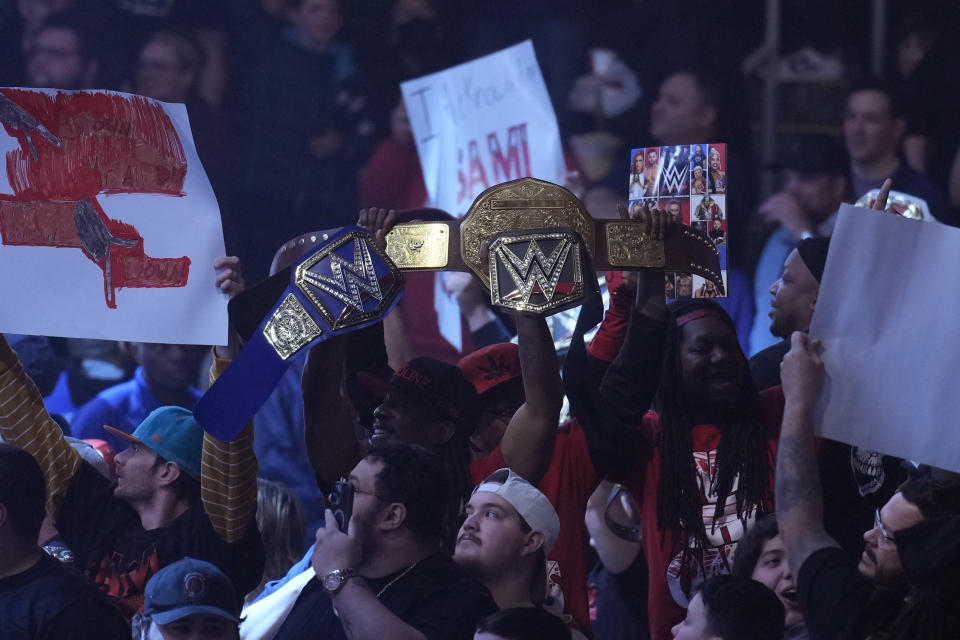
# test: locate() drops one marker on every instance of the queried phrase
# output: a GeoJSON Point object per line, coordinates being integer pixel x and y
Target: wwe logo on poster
{"type": "Point", "coordinates": [689, 182]}
{"type": "Point", "coordinates": [674, 179]}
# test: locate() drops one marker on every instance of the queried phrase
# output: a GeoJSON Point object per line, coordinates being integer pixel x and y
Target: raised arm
{"type": "Point", "coordinates": [329, 430]}
{"type": "Point", "coordinates": [527, 444]}
{"type": "Point", "coordinates": [799, 498]}
{"type": "Point", "coordinates": [631, 381]}
{"type": "Point", "coordinates": [609, 407]}
{"type": "Point", "coordinates": [25, 423]}
{"type": "Point", "coordinates": [228, 476]}
{"type": "Point", "coordinates": [228, 470]}
{"type": "Point", "coordinates": [616, 552]}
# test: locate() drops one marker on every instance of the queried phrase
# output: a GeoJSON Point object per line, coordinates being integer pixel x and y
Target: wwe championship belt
{"type": "Point", "coordinates": [344, 283]}
{"type": "Point", "coordinates": [537, 232]}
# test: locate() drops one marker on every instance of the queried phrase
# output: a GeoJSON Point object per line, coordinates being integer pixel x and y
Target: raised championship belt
{"type": "Point", "coordinates": [536, 232]}
{"type": "Point", "coordinates": [342, 284]}
{"type": "Point", "coordinates": [906, 205]}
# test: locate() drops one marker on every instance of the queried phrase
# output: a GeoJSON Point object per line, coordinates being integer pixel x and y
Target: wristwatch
{"type": "Point", "coordinates": [333, 582]}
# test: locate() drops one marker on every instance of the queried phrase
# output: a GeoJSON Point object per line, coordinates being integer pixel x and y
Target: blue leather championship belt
{"type": "Point", "coordinates": [346, 283]}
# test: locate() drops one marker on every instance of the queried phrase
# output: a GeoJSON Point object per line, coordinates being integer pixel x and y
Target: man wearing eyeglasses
{"type": "Point", "coordinates": [386, 575]}
{"type": "Point", "coordinates": [839, 596]}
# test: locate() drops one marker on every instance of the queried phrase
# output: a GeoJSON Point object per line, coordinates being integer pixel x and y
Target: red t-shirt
{"type": "Point", "coordinates": [568, 484]}
{"type": "Point", "coordinates": [670, 579]}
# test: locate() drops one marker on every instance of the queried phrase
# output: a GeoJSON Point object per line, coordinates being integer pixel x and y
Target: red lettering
{"type": "Point", "coordinates": [478, 175]}
{"type": "Point", "coordinates": [509, 167]}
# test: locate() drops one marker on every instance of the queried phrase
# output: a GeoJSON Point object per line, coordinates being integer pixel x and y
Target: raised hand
{"type": "Point", "coordinates": [650, 298]}
{"type": "Point", "coordinates": [880, 204]}
{"type": "Point", "coordinates": [379, 222]}
{"type": "Point", "coordinates": [229, 279]}
{"type": "Point", "coordinates": [229, 275]}
{"type": "Point", "coordinates": [334, 549]}
{"type": "Point", "coordinates": [802, 370]}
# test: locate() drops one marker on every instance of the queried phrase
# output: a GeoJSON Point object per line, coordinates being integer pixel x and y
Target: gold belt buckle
{"type": "Point", "coordinates": [290, 328]}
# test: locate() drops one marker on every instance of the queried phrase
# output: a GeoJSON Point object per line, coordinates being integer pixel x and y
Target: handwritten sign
{"type": "Point", "coordinates": [888, 321]}
{"type": "Point", "coordinates": [481, 123]}
{"type": "Point", "coordinates": [108, 225]}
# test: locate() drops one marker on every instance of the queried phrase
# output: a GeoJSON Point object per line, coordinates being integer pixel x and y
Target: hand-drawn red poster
{"type": "Point", "coordinates": [108, 224]}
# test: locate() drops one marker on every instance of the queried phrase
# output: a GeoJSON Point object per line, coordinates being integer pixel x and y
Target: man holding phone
{"type": "Point", "coordinates": [386, 576]}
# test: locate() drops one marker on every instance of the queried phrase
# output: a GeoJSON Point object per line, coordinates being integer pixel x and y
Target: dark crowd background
{"type": "Point", "coordinates": [289, 106]}
{"type": "Point", "coordinates": [297, 116]}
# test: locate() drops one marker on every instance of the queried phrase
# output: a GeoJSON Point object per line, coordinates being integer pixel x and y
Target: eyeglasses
{"type": "Point", "coordinates": [344, 481]}
{"type": "Point", "coordinates": [878, 524]}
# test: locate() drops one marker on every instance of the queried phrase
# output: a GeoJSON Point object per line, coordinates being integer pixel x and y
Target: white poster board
{"type": "Point", "coordinates": [889, 323]}
{"type": "Point", "coordinates": [108, 224]}
{"type": "Point", "coordinates": [482, 123]}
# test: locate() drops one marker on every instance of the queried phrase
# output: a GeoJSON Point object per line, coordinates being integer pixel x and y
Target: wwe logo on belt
{"type": "Point", "coordinates": [534, 269]}
{"type": "Point", "coordinates": [347, 279]}
{"type": "Point", "coordinates": [540, 281]}
{"type": "Point", "coordinates": [347, 291]}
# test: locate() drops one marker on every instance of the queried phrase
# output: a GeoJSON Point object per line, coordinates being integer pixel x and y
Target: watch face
{"type": "Point", "coordinates": [331, 581]}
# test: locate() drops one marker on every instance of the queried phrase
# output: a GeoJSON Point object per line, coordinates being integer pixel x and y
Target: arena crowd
{"type": "Point", "coordinates": [654, 475]}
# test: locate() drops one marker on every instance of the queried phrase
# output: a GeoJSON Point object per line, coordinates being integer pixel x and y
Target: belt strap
{"type": "Point", "coordinates": [528, 204]}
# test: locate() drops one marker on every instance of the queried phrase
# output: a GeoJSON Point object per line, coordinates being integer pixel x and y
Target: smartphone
{"type": "Point", "coordinates": [340, 502]}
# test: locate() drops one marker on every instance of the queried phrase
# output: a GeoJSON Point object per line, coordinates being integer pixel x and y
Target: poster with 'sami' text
{"type": "Point", "coordinates": [108, 224]}
{"type": "Point", "coordinates": [482, 123]}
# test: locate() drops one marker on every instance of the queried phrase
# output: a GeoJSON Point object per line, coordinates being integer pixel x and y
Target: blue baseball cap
{"type": "Point", "coordinates": [188, 587]}
{"type": "Point", "coordinates": [172, 433]}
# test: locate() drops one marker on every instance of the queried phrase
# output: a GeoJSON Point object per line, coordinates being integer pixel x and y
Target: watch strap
{"type": "Point", "coordinates": [341, 576]}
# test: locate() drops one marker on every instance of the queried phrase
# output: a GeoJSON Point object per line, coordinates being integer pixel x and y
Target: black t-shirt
{"type": "Point", "coordinates": [837, 600]}
{"type": "Point", "coordinates": [49, 601]}
{"type": "Point", "coordinates": [437, 598]}
{"type": "Point", "coordinates": [765, 365]}
{"type": "Point", "coordinates": [113, 549]}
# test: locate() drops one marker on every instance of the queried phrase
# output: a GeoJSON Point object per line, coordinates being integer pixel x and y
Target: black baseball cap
{"type": "Point", "coordinates": [814, 155]}
{"type": "Point", "coordinates": [813, 252]}
{"type": "Point", "coordinates": [188, 587]}
{"type": "Point", "coordinates": [432, 383]}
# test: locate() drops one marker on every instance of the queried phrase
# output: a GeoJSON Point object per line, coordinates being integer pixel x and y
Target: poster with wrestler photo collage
{"type": "Point", "coordinates": [689, 182]}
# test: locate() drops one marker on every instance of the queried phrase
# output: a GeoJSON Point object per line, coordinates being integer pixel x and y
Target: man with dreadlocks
{"type": "Point", "coordinates": [700, 465]}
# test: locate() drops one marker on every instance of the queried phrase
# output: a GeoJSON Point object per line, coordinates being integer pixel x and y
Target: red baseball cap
{"type": "Point", "coordinates": [492, 365]}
